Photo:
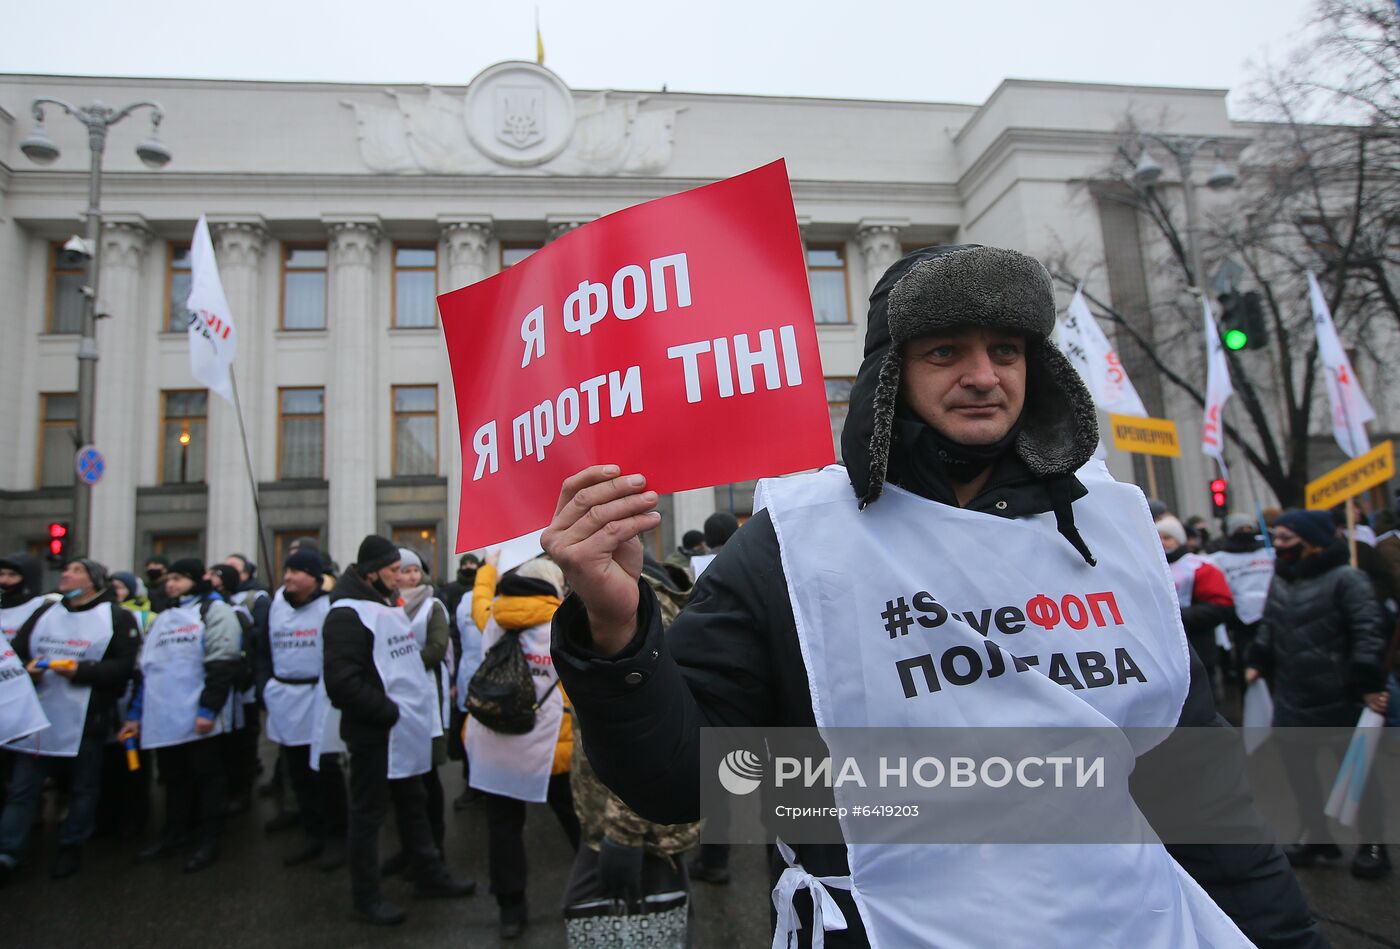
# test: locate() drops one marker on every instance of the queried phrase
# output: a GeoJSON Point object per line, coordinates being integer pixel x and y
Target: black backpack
{"type": "Point", "coordinates": [501, 693]}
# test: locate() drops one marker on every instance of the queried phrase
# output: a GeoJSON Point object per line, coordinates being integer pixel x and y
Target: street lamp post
{"type": "Point", "coordinates": [38, 147]}
{"type": "Point", "coordinates": [1184, 149]}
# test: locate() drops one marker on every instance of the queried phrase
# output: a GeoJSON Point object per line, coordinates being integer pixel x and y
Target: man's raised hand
{"type": "Point", "coordinates": [594, 539]}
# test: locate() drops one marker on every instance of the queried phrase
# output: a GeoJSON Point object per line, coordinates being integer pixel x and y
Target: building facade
{"type": "Point", "coordinates": [339, 211]}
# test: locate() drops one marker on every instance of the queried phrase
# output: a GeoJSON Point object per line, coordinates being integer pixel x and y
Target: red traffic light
{"type": "Point", "coordinates": [58, 530]}
{"type": "Point", "coordinates": [1219, 499]}
{"type": "Point", "coordinates": [56, 547]}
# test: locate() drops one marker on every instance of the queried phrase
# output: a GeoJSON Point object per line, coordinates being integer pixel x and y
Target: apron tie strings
{"type": "Point", "coordinates": [826, 915]}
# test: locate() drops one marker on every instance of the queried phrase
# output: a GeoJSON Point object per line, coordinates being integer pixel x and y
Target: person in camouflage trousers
{"type": "Point", "coordinates": [625, 858]}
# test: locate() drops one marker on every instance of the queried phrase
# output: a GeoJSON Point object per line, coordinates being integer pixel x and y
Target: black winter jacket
{"type": "Point", "coordinates": [109, 675]}
{"type": "Point", "coordinates": [1320, 643]}
{"type": "Point", "coordinates": [732, 658]}
{"type": "Point", "coordinates": [352, 681]}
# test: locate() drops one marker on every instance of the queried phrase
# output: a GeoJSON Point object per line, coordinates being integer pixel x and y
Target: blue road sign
{"type": "Point", "coordinates": [89, 464]}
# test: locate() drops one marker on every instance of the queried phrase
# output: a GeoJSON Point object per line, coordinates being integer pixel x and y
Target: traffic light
{"type": "Point", "coordinates": [1242, 323]}
{"type": "Point", "coordinates": [1220, 497]}
{"type": "Point", "coordinates": [58, 542]}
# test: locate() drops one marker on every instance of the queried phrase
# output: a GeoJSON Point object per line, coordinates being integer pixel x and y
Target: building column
{"type": "Point", "coordinates": [121, 371]}
{"type": "Point", "coordinates": [879, 248]}
{"type": "Point", "coordinates": [466, 243]}
{"type": "Point", "coordinates": [352, 392]}
{"type": "Point", "coordinates": [232, 518]}
{"type": "Point", "coordinates": [561, 224]}
{"type": "Point", "coordinates": [689, 510]}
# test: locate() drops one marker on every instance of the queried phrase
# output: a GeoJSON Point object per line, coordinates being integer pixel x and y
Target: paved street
{"type": "Point", "coordinates": [249, 900]}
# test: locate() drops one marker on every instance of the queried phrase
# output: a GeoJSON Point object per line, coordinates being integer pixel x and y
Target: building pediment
{"type": "Point", "coordinates": [514, 117]}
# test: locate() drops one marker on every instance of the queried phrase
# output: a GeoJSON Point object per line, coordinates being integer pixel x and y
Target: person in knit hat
{"type": "Point", "coordinates": [79, 655]}
{"type": "Point", "coordinates": [1321, 646]}
{"type": "Point", "coordinates": [968, 481]}
{"type": "Point", "coordinates": [389, 716]}
{"type": "Point", "coordinates": [1201, 591]}
{"type": "Point", "coordinates": [183, 708]}
{"type": "Point", "coordinates": [513, 769]}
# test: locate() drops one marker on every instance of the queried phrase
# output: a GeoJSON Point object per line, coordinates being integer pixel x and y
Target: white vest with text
{"type": "Point", "coordinates": [1099, 646]}
{"type": "Point", "coordinates": [172, 671]}
{"type": "Point", "coordinates": [20, 711]}
{"type": "Point", "coordinates": [294, 634]}
{"type": "Point", "coordinates": [82, 636]}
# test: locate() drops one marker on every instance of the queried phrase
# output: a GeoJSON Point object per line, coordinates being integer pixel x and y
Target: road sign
{"type": "Point", "coordinates": [1146, 436]}
{"type": "Point", "coordinates": [89, 464]}
{"type": "Point", "coordinates": [1361, 474]}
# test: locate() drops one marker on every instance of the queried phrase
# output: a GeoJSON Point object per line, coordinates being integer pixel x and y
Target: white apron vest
{"type": "Point", "coordinates": [441, 678]}
{"type": "Point", "coordinates": [1183, 573]}
{"type": "Point", "coordinates": [844, 569]}
{"type": "Point", "coordinates": [172, 668]}
{"type": "Point", "coordinates": [59, 634]}
{"type": "Point", "coordinates": [13, 617]}
{"type": "Point", "coordinates": [470, 639]}
{"type": "Point", "coordinates": [20, 712]}
{"type": "Point", "coordinates": [1249, 575]}
{"type": "Point", "coordinates": [519, 766]}
{"type": "Point", "coordinates": [295, 638]}
{"type": "Point", "coordinates": [399, 663]}
{"type": "Point", "coordinates": [325, 727]}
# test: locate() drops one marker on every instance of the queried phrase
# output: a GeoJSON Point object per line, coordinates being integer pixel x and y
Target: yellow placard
{"type": "Point", "coordinates": [1375, 467]}
{"type": "Point", "coordinates": [1146, 436]}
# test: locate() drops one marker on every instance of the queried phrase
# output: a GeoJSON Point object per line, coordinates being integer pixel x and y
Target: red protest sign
{"type": "Point", "coordinates": [674, 338]}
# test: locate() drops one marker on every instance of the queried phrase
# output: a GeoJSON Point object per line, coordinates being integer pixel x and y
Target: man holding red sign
{"type": "Point", "coordinates": [968, 441]}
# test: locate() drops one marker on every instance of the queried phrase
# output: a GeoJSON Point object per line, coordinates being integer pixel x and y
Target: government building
{"type": "Point", "coordinates": [339, 211]}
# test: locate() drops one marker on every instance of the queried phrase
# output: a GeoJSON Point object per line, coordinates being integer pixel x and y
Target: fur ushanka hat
{"type": "Point", "coordinates": [937, 289]}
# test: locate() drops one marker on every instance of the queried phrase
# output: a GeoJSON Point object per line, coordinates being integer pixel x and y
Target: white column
{"type": "Point", "coordinates": [122, 342]}
{"type": "Point", "coordinates": [466, 242]}
{"type": "Point", "coordinates": [879, 249]}
{"type": "Point", "coordinates": [232, 519]}
{"type": "Point", "coordinates": [352, 395]}
{"type": "Point", "coordinates": [561, 224]}
{"type": "Point", "coordinates": [689, 510]}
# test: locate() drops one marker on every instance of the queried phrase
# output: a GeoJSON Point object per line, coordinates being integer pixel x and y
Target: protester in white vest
{"type": "Point", "coordinates": [79, 655]}
{"type": "Point", "coordinates": [389, 716]}
{"type": "Point", "coordinates": [1201, 591]}
{"type": "Point", "coordinates": [533, 766]}
{"type": "Point", "coordinates": [183, 707]}
{"type": "Point", "coordinates": [21, 593]}
{"type": "Point", "coordinates": [1248, 565]}
{"type": "Point", "coordinates": [427, 617]}
{"type": "Point", "coordinates": [294, 623]}
{"type": "Point", "coordinates": [968, 482]}
{"type": "Point", "coordinates": [466, 639]}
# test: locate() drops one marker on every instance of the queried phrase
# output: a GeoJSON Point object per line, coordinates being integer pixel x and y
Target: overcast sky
{"type": "Point", "coordinates": [937, 50]}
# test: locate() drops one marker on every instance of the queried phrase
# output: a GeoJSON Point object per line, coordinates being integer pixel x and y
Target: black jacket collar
{"type": "Point", "coordinates": [352, 586]}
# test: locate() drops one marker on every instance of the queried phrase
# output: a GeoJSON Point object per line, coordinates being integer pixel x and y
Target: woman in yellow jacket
{"type": "Point", "coordinates": [511, 770]}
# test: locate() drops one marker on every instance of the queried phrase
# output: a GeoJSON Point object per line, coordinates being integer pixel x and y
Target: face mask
{"type": "Point", "coordinates": [72, 594]}
{"type": "Point", "coordinates": [154, 575]}
{"type": "Point", "coordinates": [1289, 554]}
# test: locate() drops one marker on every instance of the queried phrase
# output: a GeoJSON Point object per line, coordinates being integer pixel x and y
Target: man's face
{"type": "Point", "coordinates": [155, 570]}
{"type": "Point", "coordinates": [212, 578]}
{"type": "Point", "coordinates": [10, 578]}
{"type": "Point", "coordinates": [299, 585]}
{"type": "Point", "coordinates": [1168, 543]}
{"type": "Point", "coordinates": [389, 576]}
{"type": "Point", "coordinates": [1285, 539]}
{"type": "Point", "coordinates": [177, 585]}
{"type": "Point", "coordinates": [239, 564]}
{"type": "Point", "coordinates": [969, 386]}
{"type": "Point", "coordinates": [74, 578]}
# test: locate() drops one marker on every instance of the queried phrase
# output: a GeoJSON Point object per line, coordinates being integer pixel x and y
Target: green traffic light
{"type": "Point", "coordinates": [1236, 339]}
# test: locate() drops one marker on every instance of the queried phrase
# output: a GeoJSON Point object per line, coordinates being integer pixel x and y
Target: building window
{"type": "Point", "coordinates": [512, 254]}
{"type": "Point", "coordinates": [182, 440]}
{"type": "Point", "coordinates": [176, 546]}
{"type": "Point", "coordinates": [177, 288]}
{"type": "Point", "coordinates": [282, 542]}
{"type": "Point", "coordinates": [65, 309]}
{"type": "Point", "coordinates": [826, 272]}
{"type": "Point", "coordinates": [304, 288]}
{"type": "Point", "coordinates": [415, 287]}
{"type": "Point", "coordinates": [58, 433]}
{"type": "Point", "coordinates": [415, 430]}
{"type": "Point", "coordinates": [421, 539]}
{"type": "Point", "coordinates": [838, 403]}
{"type": "Point", "coordinates": [301, 433]}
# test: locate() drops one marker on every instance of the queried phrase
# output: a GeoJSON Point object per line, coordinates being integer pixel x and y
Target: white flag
{"type": "Point", "coordinates": [1089, 351]}
{"type": "Point", "coordinates": [213, 339]}
{"type": "Point", "coordinates": [1218, 390]}
{"type": "Point", "coordinates": [1350, 410]}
